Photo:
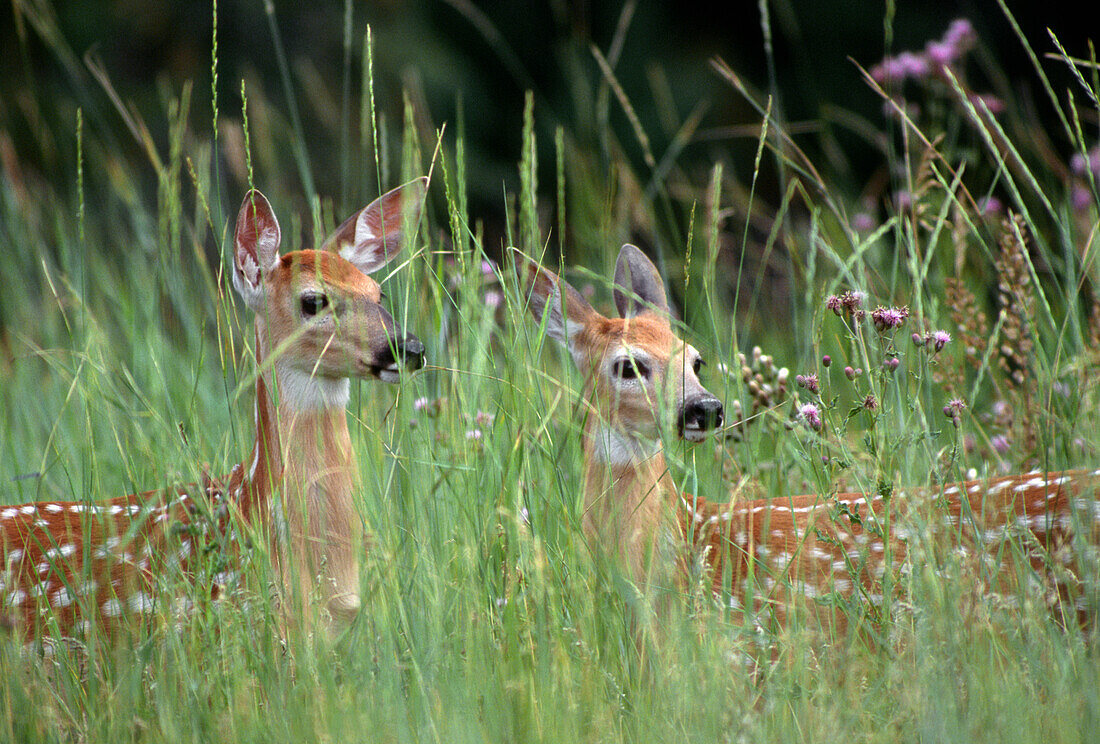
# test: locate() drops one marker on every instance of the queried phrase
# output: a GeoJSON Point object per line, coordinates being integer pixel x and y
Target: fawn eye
{"type": "Point", "coordinates": [697, 365]}
{"type": "Point", "coordinates": [313, 304]}
{"type": "Point", "coordinates": [629, 369]}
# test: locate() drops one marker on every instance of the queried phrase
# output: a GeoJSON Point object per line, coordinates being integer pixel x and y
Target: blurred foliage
{"type": "Point", "coordinates": [467, 67]}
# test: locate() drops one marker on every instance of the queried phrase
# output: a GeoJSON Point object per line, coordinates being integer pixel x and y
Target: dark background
{"type": "Point", "coordinates": [479, 59]}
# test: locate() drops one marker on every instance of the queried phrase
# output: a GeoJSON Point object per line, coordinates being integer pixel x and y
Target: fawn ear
{"type": "Point", "coordinates": [638, 285]}
{"type": "Point", "coordinates": [257, 247]}
{"type": "Point", "coordinates": [376, 233]}
{"type": "Point", "coordinates": [548, 295]}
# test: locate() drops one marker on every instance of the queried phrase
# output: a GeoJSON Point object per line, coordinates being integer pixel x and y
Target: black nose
{"type": "Point", "coordinates": [410, 352]}
{"type": "Point", "coordinates": [701, 414]}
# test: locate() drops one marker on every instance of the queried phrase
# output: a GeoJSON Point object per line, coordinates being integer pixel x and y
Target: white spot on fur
{"type": "Point", "coordinates": [9, 513]}
{"type": "Point", "coordinates": [53, 508]}
{"type": "Point", "coordinates": [140, 602]}
{"type": "Point", "coordinates": [28, 509]}
{"type": "Point", "coordinates": [63, 551]}
{"type": "Point", "coordinates": [61, 598]}
{"type": "Point", "coordinates": [111, 608]}
{"type": "Point", "coordinates": [225, 578]}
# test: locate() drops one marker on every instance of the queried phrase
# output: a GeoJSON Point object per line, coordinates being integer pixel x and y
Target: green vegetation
{"type": "Point", "coordinates": [124, 366]}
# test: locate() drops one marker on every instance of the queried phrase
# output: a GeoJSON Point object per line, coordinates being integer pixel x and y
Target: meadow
{"type": "Point", "coordinates": [125, 366]}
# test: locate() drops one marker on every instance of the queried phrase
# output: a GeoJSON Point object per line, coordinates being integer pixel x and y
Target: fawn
{"type": "Point", "coordinates": [641, 379]}
{"type": "Point", "coordinates": [318, 319]}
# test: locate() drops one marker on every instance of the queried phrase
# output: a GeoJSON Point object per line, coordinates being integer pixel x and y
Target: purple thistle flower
{"type": "Point", "coordinates": [421, 403]}
{"type": "Point", "coordinates": [1081, 198]}
{"type": "Point", "coordinates": [870, 403]}
{"type": "Point", "coordinates": [912, 65]}
{"type": "Point", "coordinates": [1000, 444]}
{"type": "Point", "coordinates": [992, 103]}
{"type": "Point", "coordinates": [940, 339]}
{"type": "Point", "coordinates": [474, 435]}
{"type": "Point", "coordinates": [889, 318]}
{"type": "Point", "coordinates": [863, 222]}
{"type": "Point", "coordinates": [990, 206]}
{"type": "Point", "coordinates": [493, 299]}
{"type": "Point", "coordinates": [484, 419]}
{"type": "Point", "coordinates": [954, 407]}
{"type": "Point", "coordinates": [939, 54]}
{"type": "Point", "coordinates": [850, 302]}
{"type": "Point", "coordinates": [961, 35]}
{"type": "Point", "coordinates": [1078, 164]}
{"type": "Point", "coordinates": [811, 414]}
{"type": "Point", "coordinates": [808, 381]}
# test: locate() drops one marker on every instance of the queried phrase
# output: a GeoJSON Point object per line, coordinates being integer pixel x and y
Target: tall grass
{"type": "Point", "coordinates": [125, 364]}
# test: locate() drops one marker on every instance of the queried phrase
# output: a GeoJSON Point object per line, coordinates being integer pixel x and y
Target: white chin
{"type": "Point", "coordinates": [694, 435]}
{"type": "Point", "coordinates": [389, 374]}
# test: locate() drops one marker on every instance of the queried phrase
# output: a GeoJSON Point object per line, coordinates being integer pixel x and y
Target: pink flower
{"type": "Point", "coordinates": [954, 407]}
{"type": "Point", "coordinates": [912, 65]}
{"type": "Point", "coordinates": [474, 435]}
{"type": "Point", "coordinates": [990, 206]}
{"type": "Point", "coordinates": [939, 54]}
{"type": "Point", "coordinates": [808, 381]}
{"type": "Point", "coordinates": [421, 403]}
{"type": "Point", "coordinates": [493, 299]}
{"type": "Point", "coordinates": [1081, 198]}
{"type": "Point", "coordinates": [811, 415]}
{"type": "Point", "coordinates": [889, 318]}
{"type": "Point", "coordinates": [992, 103]}
{"type": "Point", "coordinates": [863, 222]}
{"type": "Point", "coordinates": [1000, 444]}
{"type": "Point", "coordinates": [940, 339]}
{"type": "Point", "coordinates": [850, 302]}
{"type": "Point", "coordinates": [961, 35]}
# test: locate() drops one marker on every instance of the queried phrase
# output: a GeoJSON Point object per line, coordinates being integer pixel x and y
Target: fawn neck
{"type": "Point", "coordinates": [627, 493]}
{"type": "Point", "coordinates": [316, 527]}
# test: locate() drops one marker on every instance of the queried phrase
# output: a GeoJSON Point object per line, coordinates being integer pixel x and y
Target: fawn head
{"type": "Point", "coordinates": [640, 375]}
{"type": "Point", "coordinates": [320, 309]}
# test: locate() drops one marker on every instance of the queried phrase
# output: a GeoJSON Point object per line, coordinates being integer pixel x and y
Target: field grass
{"type": "Point", "coordinates": [125, 365]}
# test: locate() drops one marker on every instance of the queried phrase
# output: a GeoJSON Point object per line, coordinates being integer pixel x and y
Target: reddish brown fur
{"type": "Point", "coordinates": [769, 551]}
{"type": "Point", "coordinates": [67, 563]}
{"type": "Point", "coordinates": [770, 555]}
